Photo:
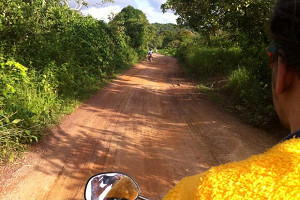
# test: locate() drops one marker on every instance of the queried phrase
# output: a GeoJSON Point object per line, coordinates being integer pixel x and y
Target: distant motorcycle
{"type": "Point", "coordinates": [112, 186]}
{"type": "Point", "coordinates": [150, 57]}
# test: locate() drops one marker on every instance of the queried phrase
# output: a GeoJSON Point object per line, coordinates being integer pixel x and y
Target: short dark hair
{"type": "Point", "coordinates": [285, 30]}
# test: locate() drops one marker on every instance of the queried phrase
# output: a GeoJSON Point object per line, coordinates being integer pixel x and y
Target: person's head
{"type": "Point", "coordinates": [150, 49]}
{"type": "Point", "coordinates": [285, 30]}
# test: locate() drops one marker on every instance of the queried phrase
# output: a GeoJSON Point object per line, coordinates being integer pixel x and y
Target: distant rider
{"type": "Point", "coordinates": [150, 54]}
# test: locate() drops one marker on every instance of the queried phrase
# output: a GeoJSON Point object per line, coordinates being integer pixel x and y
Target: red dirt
{"type": "Point", "coordinates": [150, 123]}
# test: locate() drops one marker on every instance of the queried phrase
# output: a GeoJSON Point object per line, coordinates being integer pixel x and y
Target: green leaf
{"type": "Point", "coordinates": [16, 121]}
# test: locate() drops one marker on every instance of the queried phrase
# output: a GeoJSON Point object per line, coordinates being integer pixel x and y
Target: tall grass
{"type": "Point", "coordinates": [252, 98]}
{"type": "Point", "coordinates": [10, 136]}
{"type": "Point", "coordinates": [240, 83]}
{"type": "Point", "coordinates": [207, 62]}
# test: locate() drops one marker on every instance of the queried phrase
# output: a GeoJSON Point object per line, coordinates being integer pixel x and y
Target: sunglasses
{"type": "Point", "coordinates": [272, 53]}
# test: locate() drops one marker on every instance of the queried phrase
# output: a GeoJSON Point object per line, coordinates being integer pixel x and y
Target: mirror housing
{"type": "Point", "coordinates": [111, 186]}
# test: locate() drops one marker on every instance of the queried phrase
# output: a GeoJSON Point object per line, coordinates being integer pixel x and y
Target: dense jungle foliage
{"type": "Point", "coordinates": [168, 36]}
{"type": "Point", "coordinates": [230, 39]}
{"type": "Point", "coordinates": [51, 57]}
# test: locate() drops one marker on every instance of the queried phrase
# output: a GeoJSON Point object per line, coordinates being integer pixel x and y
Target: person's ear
{"type": "Point", "coordinates": [285, 76]}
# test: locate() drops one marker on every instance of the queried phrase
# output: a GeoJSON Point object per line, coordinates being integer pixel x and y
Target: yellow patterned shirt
{"type": "Point", "coordinates": [274, 174]}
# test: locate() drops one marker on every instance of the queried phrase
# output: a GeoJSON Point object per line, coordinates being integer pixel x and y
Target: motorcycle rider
{"type": "Point", "coordinates": [150, 53]}
{"type": "Point", "coordinates": [274, 174]}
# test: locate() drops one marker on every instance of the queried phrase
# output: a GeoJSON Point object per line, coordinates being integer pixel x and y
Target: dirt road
{"type": "Point", "coordinates": [150, 123]}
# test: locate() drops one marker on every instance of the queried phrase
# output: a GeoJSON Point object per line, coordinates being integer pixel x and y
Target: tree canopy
{"type": "Point", "coordinates": [235, 16]}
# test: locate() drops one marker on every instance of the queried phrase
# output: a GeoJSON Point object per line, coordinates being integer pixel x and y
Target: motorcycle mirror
{"type": "Point", "coordinates": [112, 186]}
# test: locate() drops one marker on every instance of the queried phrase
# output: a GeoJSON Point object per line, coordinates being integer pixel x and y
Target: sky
{"type": "Point", "coordinates": [150, 7]}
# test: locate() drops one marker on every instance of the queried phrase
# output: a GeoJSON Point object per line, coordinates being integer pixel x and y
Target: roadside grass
{"type": "Point", "coordinates": [211, 93]}
{"type": "Point", "coordinates": [227, 77]}
{"type": "Point", "coordinates": [218, 92]}
{"type": "Point", "coordinates": [210, 62]}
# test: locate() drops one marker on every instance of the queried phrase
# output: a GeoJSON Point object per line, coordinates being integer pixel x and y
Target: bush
{"type": "Point", "coordinates": [26, 104]}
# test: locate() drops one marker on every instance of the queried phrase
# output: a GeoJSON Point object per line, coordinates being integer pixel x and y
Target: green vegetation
{"type": "Point", "coordinates": [52, 57]}
{"type": "Point", "coordinates": [229, 41]}
{"type": "Point", "coordinates": [168, 52]}
{"type": "Point", "coordinates": [168, 36]}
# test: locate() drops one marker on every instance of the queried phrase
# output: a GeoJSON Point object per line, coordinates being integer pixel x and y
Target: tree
{"type": "Point", "coordinates": [136, 26]}
{"type": "Point", "coordinates": [201, 15]}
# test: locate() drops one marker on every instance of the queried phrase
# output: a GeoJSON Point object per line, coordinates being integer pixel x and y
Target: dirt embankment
{"type": "Point", "coordinates": [150, 123]}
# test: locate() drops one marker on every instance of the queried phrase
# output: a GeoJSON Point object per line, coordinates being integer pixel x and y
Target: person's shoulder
{"type": "Point", "coordinates": [286, 152]}
{"type": "Point", "coordinates": [261, 176]}
{"type": "Point", "coordinates": [259, 172]}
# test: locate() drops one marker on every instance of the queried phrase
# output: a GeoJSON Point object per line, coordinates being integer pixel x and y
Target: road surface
{"type": "Point", "coordinates": [150, 123]}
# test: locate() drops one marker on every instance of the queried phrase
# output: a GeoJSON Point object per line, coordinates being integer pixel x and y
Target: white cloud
{"type": "Point", "coordinates": [159, 17]}
{"type": "Point", "coordinates": [168, 17]}
{"type": "Point", "coordinates": [103, 12]}
{"type": "Point", "coordinates": [150, 7]}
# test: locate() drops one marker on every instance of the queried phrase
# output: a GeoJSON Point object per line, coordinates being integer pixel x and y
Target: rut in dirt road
{"type": "Point", "coordinates": [150, 123]}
